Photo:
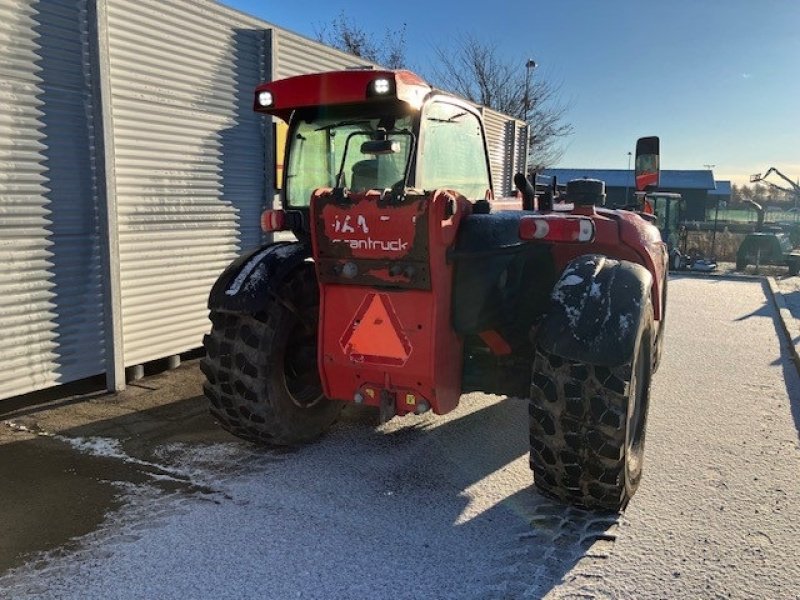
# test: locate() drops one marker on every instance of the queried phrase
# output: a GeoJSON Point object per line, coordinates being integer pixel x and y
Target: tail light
{"type": "Point", "coordinates": [556, 228]}
{"type": "Point", "coordinates": [273, 220]}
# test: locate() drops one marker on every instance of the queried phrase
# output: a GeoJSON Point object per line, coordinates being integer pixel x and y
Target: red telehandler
{"type": "Point", "coordinates": [406, 289]}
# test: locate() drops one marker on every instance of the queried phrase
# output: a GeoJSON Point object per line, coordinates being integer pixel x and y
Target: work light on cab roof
{"type": "Point", "coordinates": [281, 97]}
{"type": "Point", "coordinates": [265, 99]}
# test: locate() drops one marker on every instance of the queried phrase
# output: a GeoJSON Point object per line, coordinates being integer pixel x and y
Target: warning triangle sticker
{"type": "Point", "coordinates": [375, 335]}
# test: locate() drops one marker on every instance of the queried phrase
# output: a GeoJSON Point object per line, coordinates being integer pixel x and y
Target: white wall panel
{"type": "Point", "coordinates": [153, 101]}
{"type": "Point", "coordinates": [505, 139]}
{"type": "Point", "coordinates": [296, 55]}
{"type": "Point", "coordinates": [521, 158]}
{"type": "Point", "coordinates": [189, 161]}
{"type": "Point", "coordinates": [51, 301]}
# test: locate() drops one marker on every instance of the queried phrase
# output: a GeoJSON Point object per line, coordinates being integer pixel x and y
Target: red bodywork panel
{"type": "Point", "coordinates": [385, 298]}
{"type": "Point", "coordinates": [338, 87]}
{"type": "Point", "coordinates": [624, 235]}
{"type": "Point", "coordinates": [620, 234]}
{"type": "Point", "coordinates": [386, 335]}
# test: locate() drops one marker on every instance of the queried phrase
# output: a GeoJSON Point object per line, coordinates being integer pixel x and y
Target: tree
{"type": "Point", "coordinates": [736, 194]}
{"type": "Point", "coordinates": [476, 71]}
{"type": "Point", "coordinates": [758, 192]}
{"type": "Point", "coordinates": [346, 35]}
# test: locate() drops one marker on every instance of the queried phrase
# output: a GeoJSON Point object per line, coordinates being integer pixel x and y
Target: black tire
{"type": "Point", "coordinates": [658, 347]}
{"type": "Point", "coordinates": [794, 267]}
{"type": "Point", "coordinates": [676, 261]}
{"type": "Point", "coordinates": [261, 371]}
{"type": "Point", "coordinates": [587, 426]}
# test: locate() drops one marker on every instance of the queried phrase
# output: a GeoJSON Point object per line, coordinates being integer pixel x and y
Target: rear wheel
{"type": "Point", "coordinates": [587, 425]}
{"type": "Point", "coordinates": [261, 370]}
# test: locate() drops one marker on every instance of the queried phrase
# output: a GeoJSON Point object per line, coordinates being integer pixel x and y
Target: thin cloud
{"type": "Point", "coordinates": [746, 75]}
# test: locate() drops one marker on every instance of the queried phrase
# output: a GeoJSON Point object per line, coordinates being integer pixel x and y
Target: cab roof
{"type": "Point", "coordinates": [339, 88]}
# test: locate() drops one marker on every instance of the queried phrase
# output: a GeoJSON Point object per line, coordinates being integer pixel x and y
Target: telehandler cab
{"type": "Point", "coordinates": [406, 288]}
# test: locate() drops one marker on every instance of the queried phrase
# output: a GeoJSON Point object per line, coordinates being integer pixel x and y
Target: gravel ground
{"type": "Point", "coordinates": [443, 507]}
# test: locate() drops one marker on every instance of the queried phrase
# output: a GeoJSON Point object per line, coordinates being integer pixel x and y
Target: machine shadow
{"type": "Point", "coordinates": [545, 538]}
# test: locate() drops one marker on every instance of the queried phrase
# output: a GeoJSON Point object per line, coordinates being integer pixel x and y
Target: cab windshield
{"type": "Point", "coordinates": [323, 144]}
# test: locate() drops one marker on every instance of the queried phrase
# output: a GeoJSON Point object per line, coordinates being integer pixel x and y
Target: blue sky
{"type": "Point", "coordinates": [717, 80]}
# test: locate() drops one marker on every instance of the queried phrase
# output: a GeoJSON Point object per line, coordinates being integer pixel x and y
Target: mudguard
{"type": "Point", "coordinates": [246, 283]}
{"type": "Point", "coordinates": [596, 311]}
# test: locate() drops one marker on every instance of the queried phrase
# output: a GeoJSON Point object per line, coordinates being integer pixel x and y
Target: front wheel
{"type": "Point", "coordinates": [587, 425]}
{"type": "Point", "coordinates": [262, 379]}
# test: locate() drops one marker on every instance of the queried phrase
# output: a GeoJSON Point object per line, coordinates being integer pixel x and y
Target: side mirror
{"type": "Point", "coordinates": [647, 163]}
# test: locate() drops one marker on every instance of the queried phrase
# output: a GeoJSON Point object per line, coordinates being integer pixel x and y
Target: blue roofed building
{"type": "Point", "coordinates": [694, 185]}
{"type": "Point", "coordinates": [722, 194]}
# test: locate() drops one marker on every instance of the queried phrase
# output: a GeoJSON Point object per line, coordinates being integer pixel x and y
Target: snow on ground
{"type": "Point", "coordinates": [409, 511]}
{"type": "Point", "coordinates": [427, 507]}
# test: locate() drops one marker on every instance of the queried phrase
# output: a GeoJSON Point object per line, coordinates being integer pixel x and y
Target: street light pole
{"type": "Point", "coordinates": [530, 65]}
{"type": "Point", "coordinates": [627, 180]}
{"type": "Point", "coordinates": [716, 218]}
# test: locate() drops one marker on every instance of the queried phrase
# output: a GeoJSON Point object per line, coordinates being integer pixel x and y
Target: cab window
{"type": "Point", "coordinates": [452, 154]}
{"type": "Point", "coordinates": [322, 144]}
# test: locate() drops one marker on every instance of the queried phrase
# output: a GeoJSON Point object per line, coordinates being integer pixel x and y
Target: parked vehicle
{"type": "Point", "coordinates": [407, 288]}
{"type": "Point", "coordinates": [768, 248]}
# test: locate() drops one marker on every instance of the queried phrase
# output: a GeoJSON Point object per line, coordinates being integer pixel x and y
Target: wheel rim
{"type": "Point", "coordinates": [637, 413]}
{"type": "Point", "coordinates": [300, 371]}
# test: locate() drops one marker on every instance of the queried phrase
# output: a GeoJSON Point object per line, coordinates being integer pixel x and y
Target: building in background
{"type": "Point", "coordinates": [133, 170]}
{"type": "Point", "coordinates": [721, 195]}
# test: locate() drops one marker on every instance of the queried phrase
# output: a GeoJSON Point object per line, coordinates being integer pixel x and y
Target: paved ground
{"type": "Point", "coordinates": [161, 504]}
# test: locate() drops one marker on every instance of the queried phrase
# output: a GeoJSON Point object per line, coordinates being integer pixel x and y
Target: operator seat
{"type": "Point", "coordinates": [365, 176]}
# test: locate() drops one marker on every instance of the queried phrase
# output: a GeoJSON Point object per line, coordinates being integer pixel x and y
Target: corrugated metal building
{"type": "Point", "coordinates": [51, 293]}
{"type": "Point", "coordinates": [132, 170]}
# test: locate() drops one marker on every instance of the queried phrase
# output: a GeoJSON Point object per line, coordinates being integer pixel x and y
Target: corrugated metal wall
{"type": "Point", "coordinates": [163, 120]}
{"type": "Point", "coordinates": [521, 158]}
{"type": "Point", "coordinates": [501, 138]}
{"type": "Point", "coordinates": [189, 162]}
{"type": "Point", "coordinates": [51, 309]}
{"type": "Point", "coordinates": [296, 55]}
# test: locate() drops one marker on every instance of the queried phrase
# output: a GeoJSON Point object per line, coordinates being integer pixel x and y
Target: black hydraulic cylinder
{"type": "Point", "coordinates": [526, 189]}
